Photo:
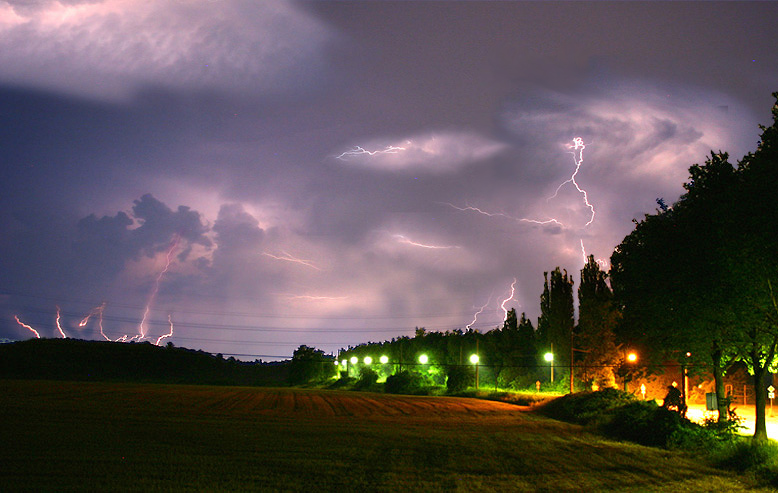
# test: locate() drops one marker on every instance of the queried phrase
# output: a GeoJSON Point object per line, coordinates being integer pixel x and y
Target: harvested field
{"type": "Point", "coordinates": [98, 436]}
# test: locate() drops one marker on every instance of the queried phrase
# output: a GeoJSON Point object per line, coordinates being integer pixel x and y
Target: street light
{"type": "Point", "coordinates": [632, 357]}
{"type": "Point", "coordinates": [368, 360]}
{"type": "Point", "coordinates": [474, 359]}
{"type": "Point", "coordinates": [384, 359]}
{"type": "Point", "coordinates": [423, 359]}
{"type": "Point", "coordinates": [354, 360]}
{"type": "Point", "coordinates": [550, 358]}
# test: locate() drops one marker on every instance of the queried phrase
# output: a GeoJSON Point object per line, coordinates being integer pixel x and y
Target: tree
{"type": "Point", "coordinates": [699, 277]}
{"type": "Point", "coordinates": [597, 318]}
{"type": "Point", "coordinates": [556, 322]}
{"type": "Point", "coordinates": [309, 364]}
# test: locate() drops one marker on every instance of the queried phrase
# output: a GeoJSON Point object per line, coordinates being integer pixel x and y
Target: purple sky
{"type": "Point", "coordinates": [316, 170]}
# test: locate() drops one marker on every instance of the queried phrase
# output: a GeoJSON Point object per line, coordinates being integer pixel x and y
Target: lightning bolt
{"type": "Point", "coordinates": [602, 262]}
{"type": "Point", "coordinates": [98, 310]}
{"type": "Point", "coordinates": [287, 257]}
{"type": "Point", "coordinates": [502, 214]}
{"type": "Point", "coordinates": [169, 334]}
{"type": "Point", "coordinates": [578, 148]}
{"type": "Point", "coordinates": [405, 240]}
{"type": "Point", "coordinates": [509, 298]}
{"type": "Point", "coordinates": [357, 151]}
{"type": "Point", "coordinates": [27, 326]}
{"type": "Point", "coordinates": [480, 311]}
{"type": "Point", "coordinates": [142, 328]}
{"type": "Point", "coordinates": [59, 327]}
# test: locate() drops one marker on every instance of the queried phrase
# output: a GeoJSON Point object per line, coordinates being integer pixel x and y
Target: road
{"type": "Point", "coordinates": [698, 413]}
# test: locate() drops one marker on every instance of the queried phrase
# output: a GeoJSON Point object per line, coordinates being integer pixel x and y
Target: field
{"type": "Point", "coordinates": [103, 436]}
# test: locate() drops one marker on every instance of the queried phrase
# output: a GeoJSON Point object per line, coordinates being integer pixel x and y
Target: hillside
{"type": "Point", "coordinates": [74, 359]}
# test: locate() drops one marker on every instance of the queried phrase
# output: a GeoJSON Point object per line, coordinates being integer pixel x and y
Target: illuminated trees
{"type": "Point", "coordinates": [309, 364]}
{"type": "Point", "coordinates": [555, 325]}
{"type": "Point", "coordinates": [700, 277]}
{"type": "Point", "coordinates": [597, 317]}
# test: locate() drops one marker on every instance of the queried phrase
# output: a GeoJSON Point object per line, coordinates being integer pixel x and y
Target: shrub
{"type": "Point", "coordinates": [587, 407]}
{"type": "Point", "coordinates": [367, 378]}
{"type": "Point", "coordinates": [404, 382]}
{"type": "Point", "coordinates": [744, 455]}
{"type": "Point", "coordinates": [459, 378]}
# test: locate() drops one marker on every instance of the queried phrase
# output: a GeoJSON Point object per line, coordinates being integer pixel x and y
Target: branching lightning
{"type": "Point", "coordinates": [27, 326]}
{"type": "Point", "coordinates": [143, 330]}
{"type": "Point", "coordinates": [602, 262]}
{"type": "Point", "coordinates": [578, 148]}
{"type": "Point", "coordinates": [480, 311]}
{"type": "Point", "coordinates": [98, 310]}
{"type": "Point", "coordinates": [287, 257]}
{"type": "Point", "coordinates": [169, 334]}
{"type": "Point", "coordinates": [357, 151]}
{"type": "Point", "coordinates": [502, 214]}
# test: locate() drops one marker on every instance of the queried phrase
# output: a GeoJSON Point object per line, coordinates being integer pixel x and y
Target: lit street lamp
{"type": "Point", "coordinates": [423, 359]}
{"type": "Point", "coordinates": [384, 359]}
{"type": "Point", "coordinates": [368, 360]}
{"type": "Point", "coordinates": [550, 358]}
{"type": "Point", "coordinates": [474, 360]}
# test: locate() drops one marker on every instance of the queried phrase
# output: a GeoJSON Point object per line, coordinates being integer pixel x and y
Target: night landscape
{"type": "Point", "coordinates": [417, 245]}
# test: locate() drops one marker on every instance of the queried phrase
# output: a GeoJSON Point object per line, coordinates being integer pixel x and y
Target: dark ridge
{"type": "Point", "coordinates": [75, 359]}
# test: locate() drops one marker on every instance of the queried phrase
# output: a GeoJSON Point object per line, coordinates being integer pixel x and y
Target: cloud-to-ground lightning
{"type": "Point", "coordinates": [578, 148]}
{"type": "Point", "coordinates": [59, 326]}
{"type": "Point", "coordinates": [358, 151]}
{"type": "Point", "coordinates": [287, 257]}
{"type": "Point", "coordinates": [602, 262]}
{"type": "Point", "coordinates": [169, 334]}
{"type": "Point", "coordinates": [27, 326]}
{"type": "Point", "coordinates": [509, 298]}
{"type": "Point", "coordinates": [480, 311]}
{"type": "Point", "coordinates": [404, 239]}
{"type": "Point", "coordinates": [98, 310]}
{"type": "Point", "coordinates": [143, 330]}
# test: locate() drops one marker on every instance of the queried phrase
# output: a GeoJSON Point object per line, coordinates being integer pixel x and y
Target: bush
{"type": "Point", "coordinates": [744, 455]}
{"type": "Point", "coordinates": [459, 378]}
{"type": "Point", "coordinates": [648, 424]}
{"type": "Point", "coordinates": [587, 407]}
{"type": "Point", "coordinates": [367, 378]}
{"type": "Point", "coordinates": [404, 382]}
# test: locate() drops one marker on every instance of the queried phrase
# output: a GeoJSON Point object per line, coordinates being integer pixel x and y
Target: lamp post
{"type": "Point", "coordinates": [550, 358]}
{"type": "Point", "coordinates": [632, 357]}
{"type": "Point", "coordinates": [474, 360]}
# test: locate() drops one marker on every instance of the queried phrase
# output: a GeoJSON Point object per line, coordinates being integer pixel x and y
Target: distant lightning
{"type": "Point", "coordinates": [407, 241]}
{"type": "Point", "coordinates": [169, 334]}
{"type": "Point", "coordinates": [509, 298]}
{"type": "Point", "coordinates": [168, 259]}
{"type": "Point", "coordinates": [287, 257]}
{"type": "Point", "coordinates": [578, 148]}
{"type": "Point", "coordinates": [59, 326]}
{"type": "Point", "coordinates": [357, 151]}
{"type": "Point", "coordinates": [502, 214]}
{"type": "Point", "coordinates": [480, 310]}
{"type": "Point", "coordinates": [27, 326]}
{"type": "Point", "coordinates": [99, 312]}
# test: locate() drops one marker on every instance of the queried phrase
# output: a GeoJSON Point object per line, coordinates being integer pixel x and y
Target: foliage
{"type": "Point", "coordinates": [587, 407]}
{"type": "Point", "coordinates": [555, 326]}
{"type": "Point", "coordinates": [756, 459]}
{"type": "Point", "coordinates": [459, 378]}
{"type": "Point", "coordinates": [310, 365]}
{"type": "Point", "coordinates": [404, 382]}
{"type": "Point", "coordinates": [367, 378]}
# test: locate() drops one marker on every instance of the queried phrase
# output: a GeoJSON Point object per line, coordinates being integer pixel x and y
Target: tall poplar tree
{"type": "Point", "coordinates": [597, 318]}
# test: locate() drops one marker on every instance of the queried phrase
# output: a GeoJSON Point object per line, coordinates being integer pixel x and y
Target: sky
{"type": "Point", "coordinates": [261, 175]}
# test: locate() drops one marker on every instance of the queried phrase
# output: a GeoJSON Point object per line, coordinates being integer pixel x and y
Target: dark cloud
{"type": "Point", "coordinates": [347, 165]}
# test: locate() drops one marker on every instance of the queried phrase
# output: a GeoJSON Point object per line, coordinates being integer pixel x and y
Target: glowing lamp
{"type": "Point", "coordinates": [343, 363]}
{"type": "Point", "coordinates": [368, 360]}
{"type": "Point", "coordinates": [632, 357]}
{"type": "Point", "coordinates": [384, 359]}
{"type": "Point", "coordinates": [423, 359]}
{"type": "Point", "coordinates": [354, 360]}
{"type": "Point", "coordinates": [548, 357]}
{"type": "Point", "coordinates": [474, 359]}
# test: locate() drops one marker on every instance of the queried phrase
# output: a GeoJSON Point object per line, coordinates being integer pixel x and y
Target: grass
{"type": "Point", "coordinates": [142, 437]}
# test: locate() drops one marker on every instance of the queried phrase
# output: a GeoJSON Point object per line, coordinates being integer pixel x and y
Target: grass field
{"type": "Point", "coordinates": [59, 436]}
